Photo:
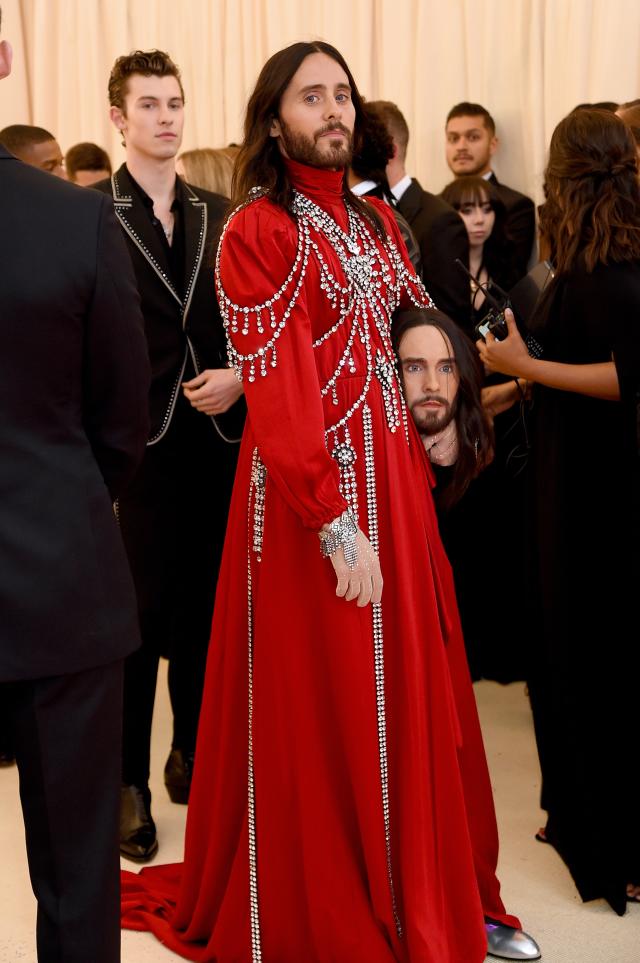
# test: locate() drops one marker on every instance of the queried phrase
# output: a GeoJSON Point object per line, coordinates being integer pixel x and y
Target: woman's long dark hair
{"type": "Point", "coordinates": [475, 434]}
{"type": "Point", "coordinates": [592, 207]}
{"type": "Point", "coordinates": [260, 162]}
{"type": "Point", "coordinates": [498, 252]}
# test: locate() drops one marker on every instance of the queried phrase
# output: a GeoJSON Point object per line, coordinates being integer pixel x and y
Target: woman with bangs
{"type": "Point", "coordinates": [488, 524]}
{"type": "Point", "coordinates": [491, 260]}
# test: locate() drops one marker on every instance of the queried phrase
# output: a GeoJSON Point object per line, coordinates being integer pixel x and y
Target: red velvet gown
{"type": "Point", "coordinates": [327, 820]}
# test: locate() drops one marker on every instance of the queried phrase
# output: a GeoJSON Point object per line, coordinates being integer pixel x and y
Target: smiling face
{"type": "Point", "coordinates": [430, 377]}
{"type": "Point", "coordinates": [152, 118]}
{"type": "Point", "coordinates": [469, 145]}
{"type": "Point", "coordinates": [316, 117]}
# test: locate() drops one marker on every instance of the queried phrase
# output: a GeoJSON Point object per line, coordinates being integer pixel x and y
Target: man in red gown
{"type": "Point", "coordinates": [327, 819]}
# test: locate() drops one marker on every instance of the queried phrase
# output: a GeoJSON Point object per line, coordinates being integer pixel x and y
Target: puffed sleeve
{"type": "Point", "coordinates": [265, 305]}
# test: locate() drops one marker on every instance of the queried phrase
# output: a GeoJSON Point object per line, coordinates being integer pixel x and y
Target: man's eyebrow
{"type": "Point", "coordinates": [423, 360]}
{"type": "Point", "coordinates": [340, 86]}
{"type": "Point", "coordinates": [153, 97]}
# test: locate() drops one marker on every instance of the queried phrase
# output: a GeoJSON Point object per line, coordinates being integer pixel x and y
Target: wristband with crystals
{"type": "Point", "coordinates": [342, 531]}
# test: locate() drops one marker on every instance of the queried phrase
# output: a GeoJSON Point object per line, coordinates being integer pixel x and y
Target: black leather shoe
{"type": "Point", "coordinates": [177, 775]}
{"type": "Point", "coordinates": [138, 840]}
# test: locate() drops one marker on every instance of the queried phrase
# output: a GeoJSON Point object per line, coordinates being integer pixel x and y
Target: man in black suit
{"type": "Point", "coordinates": [471, 142]}
{"type": "Point", "coordinates": [173, 515]}
{"type": "Point", "coordinates": [439, 229]}
{"type": "Point", "coordinates": [74, 377]}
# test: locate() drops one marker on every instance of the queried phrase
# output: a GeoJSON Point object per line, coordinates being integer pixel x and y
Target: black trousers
{"type": "Point", "coordinates": [66, 735]}
{"type": "Point", "coordinates": [173, 520]}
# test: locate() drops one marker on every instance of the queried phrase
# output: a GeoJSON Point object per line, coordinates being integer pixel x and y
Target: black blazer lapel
{"type": "Point", "coordinates": [195, 236]}
{"type": "Point", "coordinates": [135, 221]}
{"type": "Point", "coordinates": [410, 204]}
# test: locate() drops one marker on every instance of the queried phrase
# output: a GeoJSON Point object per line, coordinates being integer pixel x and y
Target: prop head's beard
{"type": "Point", "coordinates": [305, 150]}
{"type": "Point", "coordinates": [431, 421]}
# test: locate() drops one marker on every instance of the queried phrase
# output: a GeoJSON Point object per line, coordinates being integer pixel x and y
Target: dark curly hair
{"type": "Point", "coordinates": [592, 207]}
{"type": "Point", "coordinates": [149, 63]}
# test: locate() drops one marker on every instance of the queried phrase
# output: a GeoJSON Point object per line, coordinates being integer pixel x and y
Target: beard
{"type": "Point", "coordinates": [431, 422]}
{"type": "Point", "coordinates": [305, 150]}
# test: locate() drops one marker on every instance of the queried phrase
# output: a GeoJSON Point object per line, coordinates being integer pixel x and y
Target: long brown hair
{"type": "Point", "coordinates": [592, 207]}
{"type": "Point", "coordinates": [260, 162]}
{"type": "Point", "coordinates": [475, 433]}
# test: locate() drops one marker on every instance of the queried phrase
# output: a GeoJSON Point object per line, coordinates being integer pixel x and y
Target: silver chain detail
{"type": "Point", "coordinates": [378, 654]}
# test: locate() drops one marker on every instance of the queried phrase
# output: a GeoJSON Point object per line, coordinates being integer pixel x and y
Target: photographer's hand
{"type": "Point", "coordinates": [510, 356]}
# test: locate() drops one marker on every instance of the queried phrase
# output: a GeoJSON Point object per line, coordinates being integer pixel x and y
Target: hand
{"type": "Point", "coordinates": [510, 356]}
{"type": "Point", "coordinates": [499, 398]}
{"type": "Point", "coordinates": [362, 582]}
{"type": "Point", "coordinates": [213, 391]}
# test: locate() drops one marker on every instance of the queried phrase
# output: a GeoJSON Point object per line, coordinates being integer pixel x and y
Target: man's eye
{"type": "Point", "coordinates": [311, 99]}
{"type": "Point", "coordinates": [412, 368]}
{"type": "Point", "coordinates": [446, 369]}
{"type": "Point", "coordinates": [452, 138]}
{"type": "Point", "coordinates": [342, 98]}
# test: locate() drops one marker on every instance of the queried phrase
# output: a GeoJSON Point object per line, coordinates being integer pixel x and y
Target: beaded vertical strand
{"type": "Point", "coordinates": [256, 950]}
{"type": "Point", "coordinates": [378, 652]}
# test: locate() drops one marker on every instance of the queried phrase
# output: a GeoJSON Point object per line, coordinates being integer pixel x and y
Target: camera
{"type": "Point", "coordinates": [494, 322]}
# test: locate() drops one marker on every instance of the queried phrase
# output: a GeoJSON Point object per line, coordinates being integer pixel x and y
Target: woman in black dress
{"type": "Point", "coordinates": [484, 532]}
{"type": "Point", "coordinates": [585, 683]}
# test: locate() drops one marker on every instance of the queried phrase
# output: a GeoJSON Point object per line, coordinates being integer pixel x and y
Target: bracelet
{"type": "Point", "coordinates": [342, 531]}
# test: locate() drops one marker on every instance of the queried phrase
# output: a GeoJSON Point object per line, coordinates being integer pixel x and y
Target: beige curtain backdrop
{"type": "Point", "coordinates": [528, 61]}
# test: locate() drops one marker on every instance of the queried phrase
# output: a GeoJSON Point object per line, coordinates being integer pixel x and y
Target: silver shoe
{"type": "Point", "coordinates": [505, 943]}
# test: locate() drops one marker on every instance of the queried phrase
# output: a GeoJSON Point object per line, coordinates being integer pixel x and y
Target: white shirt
{"type": "Point", "coordinates": [362, 187]}
{"type": "Point", "coordinates": [399, 189]}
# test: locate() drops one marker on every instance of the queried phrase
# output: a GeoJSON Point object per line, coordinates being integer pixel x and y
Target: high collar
{"type": "Point", "coordinates": [321, 185]}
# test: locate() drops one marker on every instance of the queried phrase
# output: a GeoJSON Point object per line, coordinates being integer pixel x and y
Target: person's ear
{"type": "Point", "coordinates": [493, 145]}
{"type": "Point", "coordinates": [6, 58]}
{"type": "Point", "coordinates": [118, 118]}
{"type": "Point", "coordinates": [275, 130]}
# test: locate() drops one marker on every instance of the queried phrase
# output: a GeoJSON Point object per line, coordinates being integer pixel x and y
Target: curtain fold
{"type": "Point", "coordinates": [528, 61]}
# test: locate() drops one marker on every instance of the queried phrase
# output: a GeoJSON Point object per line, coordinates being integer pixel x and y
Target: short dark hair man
{"type": "Point", "coordinates": [442, 383]}
{"type": "Point", "coordinates": [35, 146]}
{"type": "Point", "coordinates": [439, 230]}
{"type": "Point", "coordinates": [471, 142]}
{"type": "Point", "coordinates": [87, 163]}
{"type": "Point", "coordinates": [74, 380]}
{"type": "Point", "coordinates": [173, 515]}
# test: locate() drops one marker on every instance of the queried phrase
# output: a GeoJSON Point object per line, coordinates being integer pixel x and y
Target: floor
{"type": "Point", "coordinates": [535, 883]}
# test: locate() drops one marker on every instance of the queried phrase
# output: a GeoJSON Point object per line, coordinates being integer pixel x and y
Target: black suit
{"type": "Point", "coordinates": [520, 224]}
{"type": "Point", "coordinates": [173, 516]}
{"type": "Point", "coordinates": [442, 237]}
{"type": "Point", "coordinates": [74, 378]}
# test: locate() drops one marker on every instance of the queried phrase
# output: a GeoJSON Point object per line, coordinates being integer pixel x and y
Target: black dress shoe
{"type": "Point", "coordinates": [138, 840]}
{"type": "Point", "coordinates": [177, 775]}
